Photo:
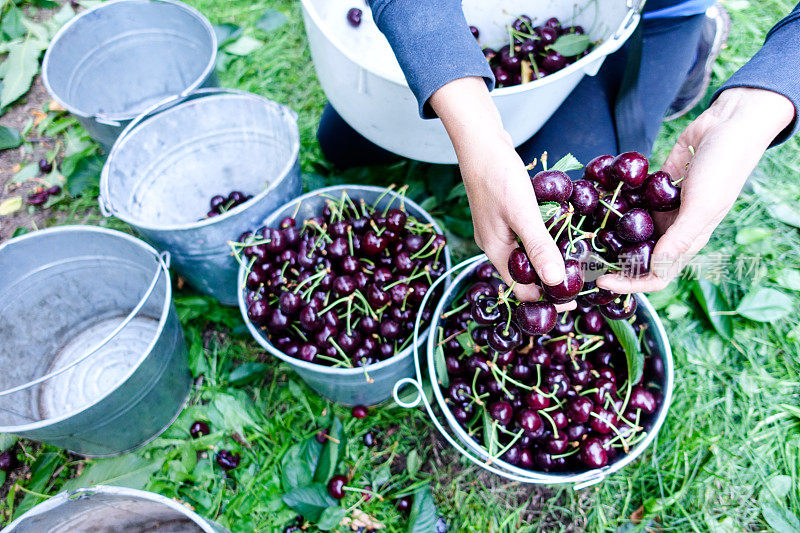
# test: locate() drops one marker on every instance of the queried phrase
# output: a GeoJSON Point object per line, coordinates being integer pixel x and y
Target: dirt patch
{"type": "Point", "coordinates": [11, 160]}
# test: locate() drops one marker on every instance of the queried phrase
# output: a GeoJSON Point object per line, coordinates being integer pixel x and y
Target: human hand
{"type": "Point", "coordinates": [716, 153]}
{"type": "Point", "coordinates": [499, 189]}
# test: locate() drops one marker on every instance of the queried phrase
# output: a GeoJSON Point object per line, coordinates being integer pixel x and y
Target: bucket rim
{"type": "Point", "coordinates": [165, 310]}
{"type": "Point", "coordinates": [615, 39]}
{"type": "Point", "coordinates": [312, 367]}
{"type": "Point", "coordinates": [114, 118]}
{"type": "Point", "coordinates": [538, 477]}
{"type": "Point", "coordinates": [200, 95]}
{"type": "Point", "coordinates": [64, 497]}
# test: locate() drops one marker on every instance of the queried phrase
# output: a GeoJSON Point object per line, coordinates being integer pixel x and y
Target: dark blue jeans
{"type": "Point", "coordinates": [584, 124]}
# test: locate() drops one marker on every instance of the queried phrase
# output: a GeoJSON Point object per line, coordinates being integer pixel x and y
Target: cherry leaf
{"type": "Point", "coordinates": [571, 44]}
{"type": "Point", "coordinates": [627, 337]}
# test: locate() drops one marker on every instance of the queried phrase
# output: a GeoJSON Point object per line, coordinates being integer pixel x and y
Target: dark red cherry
{"type": "Point", "coordinates": [591, 322]}
{"type": "Point", "coordinates": [536, 400]}
{"type": "Point", "coordinates": [404, 504]}
{"type": "Point", "coordinates": [485, 271]}
{"type": "Point", "coordinates": [336, 487]}
{"type": "Point", "coordinates": [598, 170]}
{"type": "Point", "coordinates": [635, 226]}
{"type": "Point", "coordinates": [344, 285]}
{"type": "Point", "coordinates": [529, 420]}
{"type": "Point", "coordinates": [504, 337]}
{"type": "Point", "coordinates": [199, 429]}
{"type": "Point", "coordinates": [557, 445]}
{"type": "Point", "coordinates": [621, 308]}
{"type": "Point", "coordinates": [635, 259]}
{"type": "Point", "coordinates": [475, 32]}
{"type": "Point", "coordinates": [584, 197]}
{"type": "Point", "coordinates": [570, 287]}
{"type": "Point", "coordinates": [309, 320]}
{"type": "Point", "coordinates": [539, 356]}
{"type": "Point", "coordinates": [609, 240]}
{"type": "Point", "coordinates": [523, 24]}
{"type": "Point", "coordinates": [359, 411]}
{"type": "Point", "coordinates": [372, 244]}
{"type": "Point", "coordinates": [660, 194]}
{"type": "Point", "coordinates": [578, 409]}
{"type": "Point", "coordinates": [502, 412]}
{"type": "Point", "coordinates": [592, 453]}
{"type": "Point", "coordinates": [520, 267]}
{"type": "Point", "coordinates": [546, 35]}
{"type": "Point", "coordinates": [459, 391]}
{"type": "Point", "coordinates": [502, 77]}
{"type": "Point", "coordinates": [227, 460]}
{"type": "Point", "coordinates": [642, 399]}
{"type": "Point", "coordinates": [535, 318]}
{"type": "Point", "coordinates": [526, 458]}
{"type": "Point", "coordinates": [259, 312]}
{"type": "Point", "coordinates": [620, 207]}
{"type": "Point", "coordinates": [486, 311]}
{"type": "Point", "coordinates": [354, 18]}
{"type": "Point", "coordinates": [553, 61]}
{"type": "Point", "coordinates": [603, 421]}
{"type": "Point", "coordinates": [512, 455]}
{"type": "Point", "coordinates": [575, 432]}
{"type": "Point", "coordinates": [630, 168]}
{"type": "Point", "coordinates": [605, 389]}
{"type": "Point", "coordinates": [552, 186]}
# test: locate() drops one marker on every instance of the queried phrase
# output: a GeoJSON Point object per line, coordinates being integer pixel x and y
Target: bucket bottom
{"type": "Point", "coordinates": [89, 381]}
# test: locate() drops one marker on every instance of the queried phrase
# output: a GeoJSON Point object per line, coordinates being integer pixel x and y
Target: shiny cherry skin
{"type": "Point", "coordinates": [536, 318]}
{"type": "Point", "coordinates": [636, 225]}
{"type": "Point", "coordinates": [660, 193]}
{"type": "Point", "coordinates": [486, 311]}
{"type": "Point", "coordinates": [642, 399]}
{"type": "Point", "coordinates": [630, 168]}
{"type": "Point", "coordinates": [592, 453]}
{"type": "Point", "coordinates": [359, 411]}
{"type": "Point", "coordinates": [619, 309]}
{"type": "Point", "coordinates": [199, 429]}
{"type": "Point", "coordinates": [501, 411]}
{"type": "Point", "coordinates": [227, 460]}
{"type": "Point", "coordinates": [354, 16]}
{"type": "Point", "coordinates": [552, 186]}
{"type": "Point", "coordinates": [336, 487]}
{"type": "Point", "coordinates": [598, 170]}
{"type": "Point", "coordinates": [584, 197]}
{"type": "Point", "coordinates": [570, 287]}
{"type": "Point", "coordinates": [635, 259]}
{"type": "Point", "coordinates": [520, 267]}
{"type": "Point", "coordinates": [504, 338]}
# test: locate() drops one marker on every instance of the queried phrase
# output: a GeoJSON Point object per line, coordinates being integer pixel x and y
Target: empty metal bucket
{"type": "Point", "coordinates": [111, 509]}
{"type": "Point", "coordinates": [168, 163]}
{"type": "Point", "coordinates": [346, 386]}
{"type": "Point", "coordinates": [112, 62]}
{"type": "Point", "coordinates": [93, 355]}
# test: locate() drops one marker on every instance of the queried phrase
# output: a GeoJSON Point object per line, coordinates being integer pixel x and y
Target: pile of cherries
{"type": "Point", "coordinates": [226, 459]}
{"type": "Point", "coordinates": [601, 223]}
{"type": "Point", "coordinates": [343, 288]}
{"type": "Point", "coordinates": [529, 54]}
{"type": "Point", "coordinates": [220, 204]}
{"type": "Point", "coordinates": [559, 401]}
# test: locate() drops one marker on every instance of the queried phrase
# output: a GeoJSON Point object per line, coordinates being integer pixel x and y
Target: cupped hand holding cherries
{"type": "Point", "coordinates": [601, 223]}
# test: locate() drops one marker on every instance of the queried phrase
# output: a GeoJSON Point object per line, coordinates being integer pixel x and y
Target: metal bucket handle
{"type": "Point", "coordinates": [592, 479]}
{"type": "Point", "coordinates": [171, 101]}
{"type": "Point", "coordinates": [163, 260]}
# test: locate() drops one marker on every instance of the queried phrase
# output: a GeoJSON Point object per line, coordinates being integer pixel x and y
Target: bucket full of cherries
{"type": "Point", "coordinates": [332, 282]}
{"type": "Point", "coordinates": [540, 396]}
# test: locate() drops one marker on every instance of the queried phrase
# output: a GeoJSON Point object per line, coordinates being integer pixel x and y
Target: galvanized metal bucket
{"type": "Point", "coordinates": [346, 386]}
{"type": "Point", "coordinates": [93, 354]}
{"type": "Point", "coordinates": [654, 335]}
{"type": "Point", "coordinates": [105, 508]}
{"type": "Point", "coordinates": [169, 162]}
{"type": "Point", "coordinates": [112, 62]}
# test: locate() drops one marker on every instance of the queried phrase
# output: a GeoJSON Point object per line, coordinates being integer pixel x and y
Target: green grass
{"type": "Point", "coordinates": [732, 429]}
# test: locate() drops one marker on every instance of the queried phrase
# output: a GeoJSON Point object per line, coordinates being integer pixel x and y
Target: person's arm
{"type": "Point", "coordinates": [501, 197]}
{"type": "Point", "coordinates": [450, 77]}
{"type": "Point", "coordinates": [755, 109]}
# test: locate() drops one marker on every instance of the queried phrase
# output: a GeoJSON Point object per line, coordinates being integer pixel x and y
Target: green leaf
{"type": "Point", "coordinates": [232, 412]}
{"type": "Point", "coordinates": [423, 515]}
{"type": "Point", "coordinates": [489, 434]}
{"type": "Point", "coordinates": [7, 441]}
{"type": "Point", "coordinates": [459, 226]}
{"type": "Point", "coordinates": [244, 45]}
{"type": "Point", "coordinates": [299, 463]}
{"type": "Point", "coordinates": [41, 472]}
{"type": "Point", "coordinates": [765, 305]}
{"type": "Point", "coordinates": [129, 470]}
{"type": "Point", "coordinates": [441, 367]}
{"type": "Point", "coordinates": [21, 66]}
{"type": "Point", "coordinates": [567, 163]}
{"type": "Point", "coordinates": [750, 235]}
{"type": "Point", "coordinates": [780, 518]}
{"type": "Point", "coordinates": [712, 301]}
{"type": "Point", "coordinates": [11, 27]}
{"type": "Point", "coordinates": [331, 517]}
{"type": "Point", "coordinates": [548, 209]}
{"type": "Point", "coordinates": [331, 452]}
{"type": "Point", "coordinates": [788, 278]}
{"type": "Point", "coordinates": [413, 463]}
{"type": "Point", "coordinates": [226, 33]}
{"type": "Point", "coordinates": [785, 213]}
{"type": "Point", "coordinates": [9, 138]}
{"type": "Point", "coordinates": [271, 20]}
{"type": "Point", "coordinates": [629, 340]}
{"type": "Point", "coordinates": [86, 174]}
{"type": "Point", "coordinates": [571, 44]}
{"type": "Point", "coordinates": [310, 501]}
{"type": "Point", "coordinates": [10, 205]}
{"type": "Point", "coordinates": [381, 476]}
{"type": "Point", "coordinates": [459, 191]}
{"type": "Point", "coordinates": [247, 373]}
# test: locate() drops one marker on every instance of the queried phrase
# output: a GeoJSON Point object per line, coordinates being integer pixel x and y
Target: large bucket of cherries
{"type": "Point", "coordinates": [332, 282]}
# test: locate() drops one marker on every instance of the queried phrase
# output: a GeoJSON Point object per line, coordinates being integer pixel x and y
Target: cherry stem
{"type": "Point", "coordinates": [552, 422]}
{"type": "Point", "coordinates": [455, 310]}
{"type": "Point", "coordinates": [517, 436]}
{"type": "Point", "coordinates": [613, 199]}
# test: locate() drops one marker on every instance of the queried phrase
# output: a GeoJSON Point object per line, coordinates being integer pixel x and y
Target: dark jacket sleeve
{"type": "Point", "coordinates": [433, 44]}
{"type": "Point", "coordinates": [775, 68]}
